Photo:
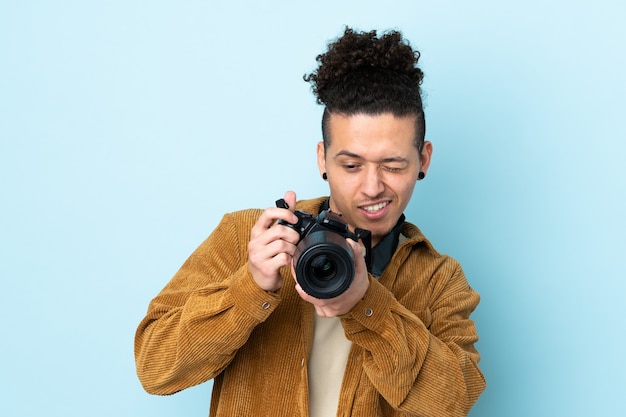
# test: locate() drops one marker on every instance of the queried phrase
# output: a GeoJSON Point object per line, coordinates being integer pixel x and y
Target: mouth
{"type": "Point", "coordinates": [375, 208]}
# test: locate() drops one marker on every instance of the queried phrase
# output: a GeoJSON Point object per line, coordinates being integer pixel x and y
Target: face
{"type": "Point", "coordinates": [372, 165]}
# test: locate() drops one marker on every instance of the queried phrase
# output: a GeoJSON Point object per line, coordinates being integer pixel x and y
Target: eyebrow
{"type": "Point", "coordinates": [353, 155]}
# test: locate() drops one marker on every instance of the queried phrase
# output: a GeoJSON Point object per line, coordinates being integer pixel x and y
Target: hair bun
{"type": "Point", "coordinates": [387, 59]}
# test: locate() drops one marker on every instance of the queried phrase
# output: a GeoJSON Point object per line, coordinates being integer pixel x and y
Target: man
{"type": "Point", "coordinates": [397, 342]}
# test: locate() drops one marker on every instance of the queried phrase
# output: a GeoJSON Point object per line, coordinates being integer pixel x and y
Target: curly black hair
{"type": "Point", "coordinates": [364, 73]}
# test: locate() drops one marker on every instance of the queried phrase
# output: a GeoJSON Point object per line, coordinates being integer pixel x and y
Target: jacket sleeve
{"type": "Point", "coordinates": [195, 326]}
{"type": "Point", "coordinates": [422, 362]}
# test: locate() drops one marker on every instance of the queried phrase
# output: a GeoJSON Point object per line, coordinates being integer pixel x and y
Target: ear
{"type": "Point", "coordinates": [321, 158]}
{"type": "Point", "coordinates": [425, 157]}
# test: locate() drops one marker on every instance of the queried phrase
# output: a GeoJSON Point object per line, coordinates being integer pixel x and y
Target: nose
{"type": "Point", "coordinates": [372, 185]}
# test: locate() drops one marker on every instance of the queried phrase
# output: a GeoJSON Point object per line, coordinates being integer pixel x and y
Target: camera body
{"type": "Point", "coordinates": [323, 260]}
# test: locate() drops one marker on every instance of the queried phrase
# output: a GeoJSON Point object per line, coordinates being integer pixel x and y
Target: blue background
{"type": "Point", "coordinates": [129, 127]}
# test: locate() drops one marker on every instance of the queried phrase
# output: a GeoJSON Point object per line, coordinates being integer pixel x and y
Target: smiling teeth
{"type": "Point", "coordinates": [375, 207]}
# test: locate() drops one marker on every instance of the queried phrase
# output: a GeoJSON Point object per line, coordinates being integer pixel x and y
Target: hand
{"type": "Point", "coordinates": [272, 246]}
{"type": "Point", "coordinates": [344, 302]}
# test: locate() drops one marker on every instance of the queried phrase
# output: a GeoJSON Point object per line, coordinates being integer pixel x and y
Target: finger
{"type": "Point", "coordinates": [269, 217]}
{"type": "Point", "coordinates": [309, 298]}
{"type": "Point", "coordinates": [278, 232]}
{"type": "Point", "coordinates": [261, 252]}
{"type": "Point", "coordinates": [357, 248]}
{"type": "Point", "coordinates": [320, 312]}
{"type": "Point", "coordinates": [359, 252]}
{"type": "Point", "coordinates": [303, 294]}
{"type": "Point", "coordinates": [290, 199]}
{"type": "Point", "coordinates": [293, 270]}
{"type": "Point", "coordinates": [268, 261]}
{"type": "Point", "coordinates": [264, 222]}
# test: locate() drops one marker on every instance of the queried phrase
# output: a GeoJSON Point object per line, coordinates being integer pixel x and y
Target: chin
{"type": "Point", "coordinates": [378, 234]}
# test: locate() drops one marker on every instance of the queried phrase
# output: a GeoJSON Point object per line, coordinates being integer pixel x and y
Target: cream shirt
{"type": "Point", "coordinates": [327, 365]}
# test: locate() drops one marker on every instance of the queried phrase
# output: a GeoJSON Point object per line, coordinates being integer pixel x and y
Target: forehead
{"type": "Point", "coordinates": [381, 135]}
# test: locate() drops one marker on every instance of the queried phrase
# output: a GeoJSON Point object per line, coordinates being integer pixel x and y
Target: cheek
{"type": "Point", "coordinates": [344, 182]}
{"type": "Point", "coordinates": [341, 190]}
{"type": "Point", "coordinates": [403, 187]}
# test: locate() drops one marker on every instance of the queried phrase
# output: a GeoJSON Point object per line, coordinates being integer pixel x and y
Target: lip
{"type": "Point", "coordinates": [377, 214]}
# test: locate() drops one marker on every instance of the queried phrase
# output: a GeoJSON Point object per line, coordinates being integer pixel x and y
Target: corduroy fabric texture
{"type": "Point", "coordinates": [413, 341]}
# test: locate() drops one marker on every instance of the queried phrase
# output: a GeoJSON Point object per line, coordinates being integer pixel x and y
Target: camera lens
{"type": "Point", "coordinates": [323, 267]}
{"type": "Point", "coordinates": [324, 264]}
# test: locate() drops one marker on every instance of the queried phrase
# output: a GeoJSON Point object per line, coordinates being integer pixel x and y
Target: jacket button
{"type": "Point", "coordinates": [369, 312]}
{"type": "Point", "coordinates": [265, 305]}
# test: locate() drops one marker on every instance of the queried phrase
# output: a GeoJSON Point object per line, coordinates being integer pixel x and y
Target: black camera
{"type": "Point", "coordinates": [324, 262]}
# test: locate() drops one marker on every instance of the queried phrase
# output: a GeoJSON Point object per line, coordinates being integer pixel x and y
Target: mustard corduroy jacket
{"type": "Point", "coordinates": [412, 339]}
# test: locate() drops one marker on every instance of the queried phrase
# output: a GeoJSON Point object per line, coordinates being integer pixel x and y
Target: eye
{"type": "Point", "coordinates": [392, 169]}
{"type": "Point", "coordinates": [351, 167]}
